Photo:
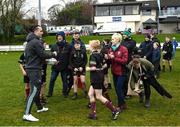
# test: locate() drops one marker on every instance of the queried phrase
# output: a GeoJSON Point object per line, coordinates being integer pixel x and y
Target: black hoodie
{"type": "Point", "coordinates": [35, 53]}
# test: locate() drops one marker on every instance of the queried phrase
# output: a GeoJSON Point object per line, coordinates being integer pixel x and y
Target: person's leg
{"type": "Point", "coordinates": [164, 61]}
{"type": "Point", "coordinates": [155, 84]}
{"type": "Point", "coordinates": [53, 78]}
{"type": "Point", "coordinates": [35, 81]}
{"type": "Point", "coordinates": [82, 79]}
{"type": "Point", "coordinates": [107, 103]}
{"type": "Point", "coordinates": [75, 78]}
{"type": "Point", "coordinates": [92, 114]}
{"type": "Point", "coordinates": [120, 93]}
{"type": "Point", "coordinates": [105, 93]}
{"type": "Point", "coordinates": [147, 91]}
{"type": "Point", "coordinates": [27, 90]}
{"type": "Point", "coordinates": [42, 92]}
{"type": "Point", "coordinates": [106, 80]}
{"type": "Point", "coordinates": [170, 65]}
{"type": "Point", "coordinates": [64, 74]}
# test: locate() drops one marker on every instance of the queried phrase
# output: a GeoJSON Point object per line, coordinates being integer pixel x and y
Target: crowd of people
{"type": "Point", "coordinates": [134, 69]}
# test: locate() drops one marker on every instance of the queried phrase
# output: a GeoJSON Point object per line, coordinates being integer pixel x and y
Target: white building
{"type": "Point", "coordinates": [140, 15]}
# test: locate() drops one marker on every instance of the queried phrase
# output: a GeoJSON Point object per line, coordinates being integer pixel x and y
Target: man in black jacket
{"type": "Point", "coordinates": [34, 56]}
{"type": "Point", "coordinates": [63, 50]}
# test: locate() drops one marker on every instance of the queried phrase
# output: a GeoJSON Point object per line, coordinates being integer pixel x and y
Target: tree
{"type": "Point", "coordinates": [9, 13]}
{"type": "Point", "coordinates": [74, 13]}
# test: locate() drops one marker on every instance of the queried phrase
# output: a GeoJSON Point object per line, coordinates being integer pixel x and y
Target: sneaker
{"type": "Point", "coordinates": [92, 116]}
{"type": "Point", "coordinates": [30, 118]}
{"type": "Point", "coordinates": [115, 115]}
{"type": "Point", "coordinates": [74, 97]}
{"type": "Point", "coordinates": [43, 110]}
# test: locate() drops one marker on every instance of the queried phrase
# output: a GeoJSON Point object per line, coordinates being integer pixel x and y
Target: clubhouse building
{"type": "Point", "coordinates": [142, 16]}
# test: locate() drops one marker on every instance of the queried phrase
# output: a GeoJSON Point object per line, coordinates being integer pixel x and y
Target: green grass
{"type": "Point", "coordinates": [139, 38]}
{"type": "Point", "coordinates": [63, 111]}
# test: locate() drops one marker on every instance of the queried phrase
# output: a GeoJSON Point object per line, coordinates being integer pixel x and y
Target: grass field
{"type": "Point", "coordinates": [139, 38]}
{"type": "Point", "coordinates": [63, 111]}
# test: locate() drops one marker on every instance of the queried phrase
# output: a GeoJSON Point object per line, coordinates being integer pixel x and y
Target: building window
{"type": "Point", "coordinates": [116, 10]}
{"type": "Point", "coordinates": [132, 10]}
{"type": "Point", "coordinates": [146, 12]}
{"type": "Point", "coordinates": [102, 11]}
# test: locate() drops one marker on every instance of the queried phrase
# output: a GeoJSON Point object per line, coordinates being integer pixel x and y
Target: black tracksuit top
{"type": "Point", "coordinates": [78, 58]}
{"type": "Point", "coordinates": [35, 53]}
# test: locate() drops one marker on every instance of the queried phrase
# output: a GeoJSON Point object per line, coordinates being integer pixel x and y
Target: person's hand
{"type": "Point", "coordinates": [111, 55]}
{"type": "Point", "coordinates": [104, 66]}
{"type": "Point", "coordinates": [75, 69]}
{"type": "Point", "coordinates": [55, 53]}
{"type": "Point", "coordinates": [87, 68]}
{"type": "Point", "coordinates": [164, 52]}
{"type": "Point", "coordinates": [106, 56]}
{"type": "Point", "coordinates": [24, 73]}
{"type": "Point", "coordinates": [80, 69]}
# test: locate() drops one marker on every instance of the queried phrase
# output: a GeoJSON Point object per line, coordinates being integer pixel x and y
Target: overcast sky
{"type": "Point", "coordinates": [46, 4]}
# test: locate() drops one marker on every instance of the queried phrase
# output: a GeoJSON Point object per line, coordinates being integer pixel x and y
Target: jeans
{"type": "Point", "coordinates": [118, 85]}
{"type": "Point", "coordinates": [54, 75]}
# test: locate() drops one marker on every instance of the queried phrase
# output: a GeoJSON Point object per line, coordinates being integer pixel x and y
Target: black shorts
{"type": "Point", "coordinates": [78, 73]}
{"type": "Point", "coordinates": [97, 85]}
{"type": "Point", "coordinates": [26, 79]}
{"type": "Point", "coordinates": [167, 56]}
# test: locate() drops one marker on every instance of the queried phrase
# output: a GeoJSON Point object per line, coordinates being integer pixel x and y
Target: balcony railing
{"type": "Point", "coordinates": [166, 13]}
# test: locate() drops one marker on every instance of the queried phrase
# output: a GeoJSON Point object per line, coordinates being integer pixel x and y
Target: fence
{"type": "Point", "coordinates": [11, 48]}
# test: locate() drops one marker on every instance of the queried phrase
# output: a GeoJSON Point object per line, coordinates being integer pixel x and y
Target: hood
{"type": "Point", "coordinates": [30, 37]}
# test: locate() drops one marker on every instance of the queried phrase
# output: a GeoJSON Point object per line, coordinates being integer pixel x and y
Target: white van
{"type": "Point", "coordinates": [109, 28]}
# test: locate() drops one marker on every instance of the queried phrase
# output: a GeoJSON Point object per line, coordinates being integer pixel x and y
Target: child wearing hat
{"type": "Point", "coordinates": [97, 78]}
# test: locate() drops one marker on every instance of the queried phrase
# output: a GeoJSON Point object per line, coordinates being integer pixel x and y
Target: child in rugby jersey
{"type": "Point", "coordinates": [21, 62]}
{"type": "Point", "coordinates": [78, 61]}
{"type": "Point", "coordinates": [97, 78]}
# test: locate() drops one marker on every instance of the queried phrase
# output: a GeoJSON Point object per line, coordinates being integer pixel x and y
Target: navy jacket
{"type": "Point", "coordinates": [156, 55]}
{"type": "Point", "coordinates": [147, 49]}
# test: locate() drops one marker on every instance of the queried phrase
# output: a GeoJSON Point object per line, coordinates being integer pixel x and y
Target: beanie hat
{"type": "Point", "coordinates": [127, 32]}
{"type": "Point", "coordinates": [147, 36]}
{"type": "Point", "coordinates": [61, 33]}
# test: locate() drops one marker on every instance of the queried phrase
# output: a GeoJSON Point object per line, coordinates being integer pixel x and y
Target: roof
{"type": "Point", "coordinates": [170, 3]}
{"type": "Point", "coordinates": [170, 20]}
{"type": "Point", "coordinates": [118, 3]}
{"type": "Point", "coordinates": [145, 4]}
{"type": "Point", "coordinates": [149, 21]}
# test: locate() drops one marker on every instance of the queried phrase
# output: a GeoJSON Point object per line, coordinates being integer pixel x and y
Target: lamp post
{"type": "Point", "coordinates": [39, 13]}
